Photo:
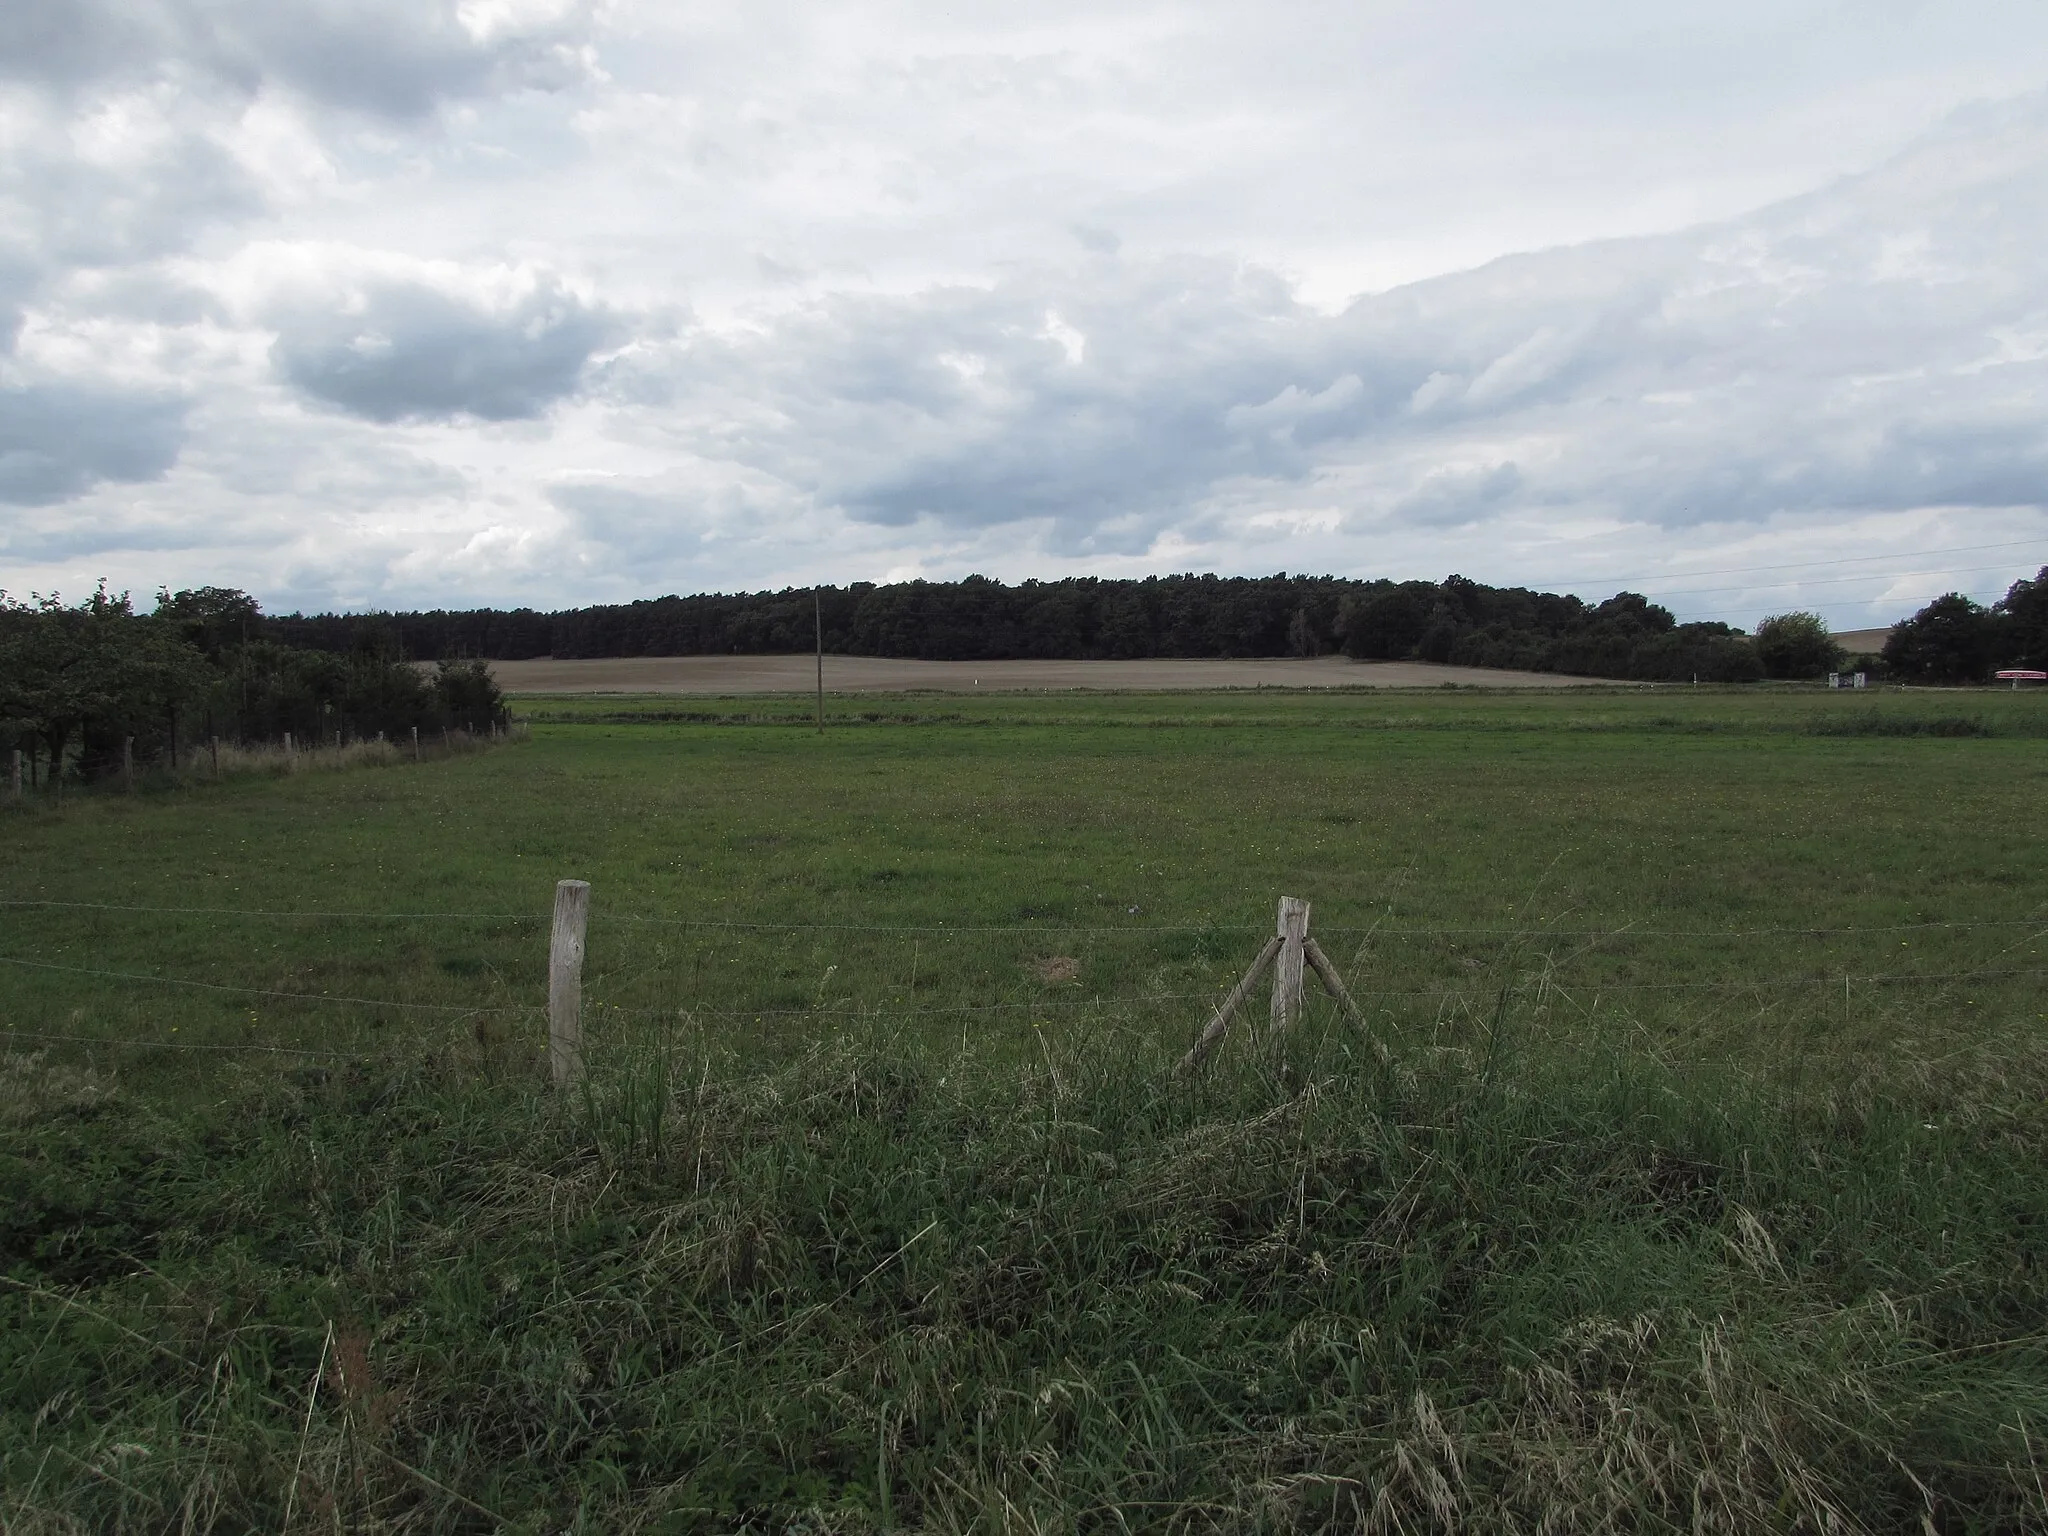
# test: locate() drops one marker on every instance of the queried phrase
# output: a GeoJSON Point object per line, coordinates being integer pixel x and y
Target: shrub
{"type": "Point", "coordinates": [1797, 645]}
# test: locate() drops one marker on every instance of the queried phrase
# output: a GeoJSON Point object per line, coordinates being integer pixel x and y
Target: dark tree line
{"type": "Point", "coordinates": [1086, 618]}
{"type": "Point", "coordinates": [77, 681]}
{"type": "Point", "coordinates": [1956, 640]}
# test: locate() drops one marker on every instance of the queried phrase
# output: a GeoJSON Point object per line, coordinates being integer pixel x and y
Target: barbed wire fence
{"type": "Point", "coordinates": [567, 999]}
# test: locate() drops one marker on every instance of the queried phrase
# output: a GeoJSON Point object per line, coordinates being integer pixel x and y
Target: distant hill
{"type": "Point", "coordinates": [1859, 641]}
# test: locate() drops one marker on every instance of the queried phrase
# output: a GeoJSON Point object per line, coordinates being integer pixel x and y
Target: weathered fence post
{"type": "Point", "coordinates": [127, 762]}
{"type": "Point", "coordinates": [15, 793]}
{"type": "Point", "coordinates": [415, 743]}
{"type": "Point", "coordinates": [1288, 952]}
{"type": "Point", "coordinates": [565, 980]}
{"type": "Point", "coordinates": [1287, 965]}
{"type": "Point", "coordinates": [213, 750]}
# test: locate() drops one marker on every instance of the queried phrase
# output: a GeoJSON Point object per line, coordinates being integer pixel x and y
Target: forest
{"type": "Point", "coordinates": [1088, 618]}
{"type": "Point", "coordinates": [1456, 620]}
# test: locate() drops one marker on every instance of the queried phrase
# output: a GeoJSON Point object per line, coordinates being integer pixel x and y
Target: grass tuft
{"type": "Point", "coordinates": [846, 1290]}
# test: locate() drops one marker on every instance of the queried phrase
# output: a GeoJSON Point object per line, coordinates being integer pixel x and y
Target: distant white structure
{"type": "Point", "coordinates": [1848, 680]}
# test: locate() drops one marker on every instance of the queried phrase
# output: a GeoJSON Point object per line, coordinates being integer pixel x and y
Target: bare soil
{"type": "Point", "coordinates": [874, 674]}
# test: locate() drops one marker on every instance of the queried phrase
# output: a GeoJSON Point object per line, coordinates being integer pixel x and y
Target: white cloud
{"type": "Point", "coordinates": [546, 300]}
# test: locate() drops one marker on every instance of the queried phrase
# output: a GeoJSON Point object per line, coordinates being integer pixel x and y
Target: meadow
{"type": "Point", "coordinates": [1686, 1170]}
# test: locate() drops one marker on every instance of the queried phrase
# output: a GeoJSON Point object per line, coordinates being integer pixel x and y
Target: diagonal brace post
{"type": "Point", "coordinates": [1216, 1027]}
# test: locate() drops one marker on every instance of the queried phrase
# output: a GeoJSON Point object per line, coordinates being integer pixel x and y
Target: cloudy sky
{"type": "Point", "coordinates": [361, 303]}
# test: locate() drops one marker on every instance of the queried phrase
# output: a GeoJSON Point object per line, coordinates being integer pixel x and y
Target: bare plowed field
{"type": "Point", "coordinates": [874, 674]}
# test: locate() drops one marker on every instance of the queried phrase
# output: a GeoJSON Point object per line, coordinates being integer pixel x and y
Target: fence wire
{"type": "Point", "coordinates": [1370, 930]}
{"type": "Point", "coordinates": [623, 1005]}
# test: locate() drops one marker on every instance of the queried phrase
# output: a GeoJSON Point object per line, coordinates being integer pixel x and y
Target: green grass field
{"type": "Point", "coordinates": [1686, 1172]}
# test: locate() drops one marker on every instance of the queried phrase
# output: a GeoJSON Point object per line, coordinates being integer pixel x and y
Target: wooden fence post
{"type": "Point", "coordinates": [415, 743]}
{"type": "Point", "coordinates": [213, 748]}
{"type": "Point", "coordinates": [127, 762]}
{"type": "Point", "coordinates": [16, 794]}
{"type": "Point", "coordinates": [565, 981]}
{"type": "Point", "coordinates": [1289, 952]}
{"type": "Point", "coordinates": [1287, 965]}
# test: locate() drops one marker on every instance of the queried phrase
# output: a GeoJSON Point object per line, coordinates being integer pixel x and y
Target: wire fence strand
{"type": "Point", "coordinates": [1115, 929]}
{"type": "Point", "coordinates": [297, 997]}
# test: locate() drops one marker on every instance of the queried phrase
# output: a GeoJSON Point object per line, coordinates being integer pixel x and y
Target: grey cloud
{"type": "Point", "coordinates": [1450, 498]}
{"type": "Point", "coordinates": [77, 41]}
{"type": "Point", "coordinates": [1881, 344]}
{"type": "Point", "coordinates": [972, 407]}
{"type": "Point", "coordinates": [397, 59]}
{"type": "Point", "coordinates": [638, 524]}
{"type": "Point", "coordinates": [88, 215]}
{"type": "Point", "coordinates": [412, 352]}
{"type": "Point", "coordinates": [57, 441]}
{"type": "Point", "coordinates": [381, 56]}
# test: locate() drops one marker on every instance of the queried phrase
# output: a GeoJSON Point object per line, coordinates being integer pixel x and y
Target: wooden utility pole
{"type": "Point", "coordinates": [818, 623]}
{"type": "Point", "coordinates": [1289, 951]}
{"type": "Point", "coordinates": [565, 981]}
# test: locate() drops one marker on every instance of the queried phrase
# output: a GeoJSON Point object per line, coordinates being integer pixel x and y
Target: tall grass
{"type": "Point", "coordinates": [216, 761]}
{"type": "Point", "coordinates": [1487, 1283]}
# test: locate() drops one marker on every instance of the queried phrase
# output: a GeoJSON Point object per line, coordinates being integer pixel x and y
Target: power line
{"type": "Point", "coordinates": [1825, 581]}
{"type": "Point", "coordinates": [1923, 598]}
{"type": "Point", "coordinates": [172, 1045]}
{"type": "Point", "coordinates": [1746, 570]}
{"type": "Point", "coordinates": [725, 924]}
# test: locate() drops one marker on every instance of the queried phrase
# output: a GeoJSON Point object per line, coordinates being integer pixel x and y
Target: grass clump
{"type": "Point", "coordinates": [1465, 1286]}
{"type": "Point", "coordinates": [1873, 722]}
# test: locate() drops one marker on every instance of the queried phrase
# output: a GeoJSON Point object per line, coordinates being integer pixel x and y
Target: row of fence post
{"type": "Point", "coordinates": [1289, 954]}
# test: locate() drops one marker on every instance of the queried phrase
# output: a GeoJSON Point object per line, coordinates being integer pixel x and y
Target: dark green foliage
{"type": "Point", "coordinates": [217, 620]}
{"type": "Point", "coordinates": [466, 697]}
{"type": "Point", "coordinates": [1457, 621]}
{"type": "Point", "coordinates": [1797, 645]}
{"type": "Point", "coordinates": [1956, 640]}
{"type": "Point", "coordinates": [91, 673]}
{"type": "Point", "coordinates": [1948, 641]}
{"type": "Point", "coordinates": [1470, 625]}
{"type": "Point", "coordinates": [2025, 639]}
{"type": "Point", "coordinates": [204, 665]}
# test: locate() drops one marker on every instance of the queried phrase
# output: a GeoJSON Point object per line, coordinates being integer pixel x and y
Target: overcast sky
{"type": "Point", "coordinates": [360, 303]}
